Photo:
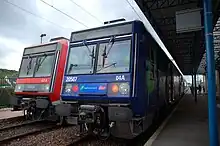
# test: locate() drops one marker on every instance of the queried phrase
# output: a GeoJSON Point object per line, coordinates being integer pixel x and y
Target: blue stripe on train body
{"type": "Point", "coordinates": [100, 84]}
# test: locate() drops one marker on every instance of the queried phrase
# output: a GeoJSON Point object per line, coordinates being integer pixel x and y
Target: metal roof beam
{"type": "Point", "coordinates": [145, 9]}
{"type": "Point", "coordinates": [181, 37]}
{"type": "Point", "coordinates": [217, 28]}
{"type": "Point", "coordinates": [166, 21]}
{"type": "Point", "coordinates": [182, 40]}
{"type": "Point", "coordinates": [172, 33]}
{"type": "Point", "coordinates": [216, 37]}
{"type": "Point", "coordinates": [162, 4]}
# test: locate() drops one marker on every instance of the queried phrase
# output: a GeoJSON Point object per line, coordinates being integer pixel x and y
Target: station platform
{"type": "Point", "coordinates": [5, 109]}
{"type": "Point", "coordinates": [186, 126]}
{"type": "Point", "coordinates": [5, 114]}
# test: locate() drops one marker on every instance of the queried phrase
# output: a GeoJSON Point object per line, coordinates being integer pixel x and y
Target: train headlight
{"type": "Point", "coordinates": [68, 88]}
{"type": "Point", "coordinates": [75, 88]}
{"type": "Point", "coordinates": [124, 88]}
{"type": "Point", "coordinates": [115, 88]}
{"type": "Point", "coordinates": [46, 87]}
{"type": "Point", "coordinates": [19, 87]}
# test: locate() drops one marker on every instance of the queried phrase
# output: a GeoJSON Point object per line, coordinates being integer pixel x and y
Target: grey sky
{"type": "Point", "coordinates": [19, 29]}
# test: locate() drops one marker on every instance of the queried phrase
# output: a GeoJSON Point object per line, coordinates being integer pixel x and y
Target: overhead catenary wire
{"type": "Point", "coordinates": [64, 13]}
{"type": "Point", "coordinates": [33, 14]}
{"type": "Point", "coordinates": [86, 11]}
{"type": "Point", "coordinates": [133, 9]}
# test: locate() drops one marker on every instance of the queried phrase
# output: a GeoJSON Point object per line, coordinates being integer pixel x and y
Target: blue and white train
{"type": "Point", "coordinates": [117, 80]}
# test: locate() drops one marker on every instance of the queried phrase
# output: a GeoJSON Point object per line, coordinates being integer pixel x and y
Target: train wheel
{"type": "Point", "coordinates": [62, 121]}
{"type": "Point", "coordinates": [29, 114]}
{"type": "Point", "coordinates": [104, 134]}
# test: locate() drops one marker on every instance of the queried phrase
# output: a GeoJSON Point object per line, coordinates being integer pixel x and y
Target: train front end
{"type": "Point", "coordinates": [40, 77]}
{"type": "Point", "coordinates": [97, 86]}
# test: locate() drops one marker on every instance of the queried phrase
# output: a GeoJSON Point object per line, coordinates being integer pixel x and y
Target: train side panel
{"type": "Point", "coordinates": [55, 97]}
{"type": "Point", "coordinates": [158, 81]}
{"type": "Point", "coordinates": [151, 81]}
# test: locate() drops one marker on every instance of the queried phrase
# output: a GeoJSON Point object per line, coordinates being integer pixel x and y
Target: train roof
{"type": "Point", "coordinates": [124, 27]}
{"type": "Point", "coordinates": [54, 41]}
{"type": "Point", "coordinates": [108, 25]}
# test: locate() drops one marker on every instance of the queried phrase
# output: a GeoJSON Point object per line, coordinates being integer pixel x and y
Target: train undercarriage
{"type": "Point", "coordinates": [36, 108]}
{"type": "Point", "coordinates": [104, 120]}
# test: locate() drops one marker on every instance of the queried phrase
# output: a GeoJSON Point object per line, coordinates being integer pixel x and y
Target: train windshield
{"type": "Point", "coordinates": [114, 57]}
{"type": "Point", "coordinates": [44, 66]}
{"type": "Point", "coordinates": [27, 66]}
{"type": "Point", "coordinates": [81, 59]}
{"type": "Point", "coordinates": [37, 66]}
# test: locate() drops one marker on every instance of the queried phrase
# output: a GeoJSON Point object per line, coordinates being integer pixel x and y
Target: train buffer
{"type": "Point", "coordinates": [186, 126]}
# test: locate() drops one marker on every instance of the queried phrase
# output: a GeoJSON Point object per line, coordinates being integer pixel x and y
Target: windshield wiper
{"type": "Point", "coordinates": [71, 67]}
{"type": "Point", "coordinates": [76, 65]}
{"type": "Point", "coordinates": [92, 56]}
{"type": "Point", "coordinates": [29, 64]}
{"type": "Point", "coordinates": [106, 51]}
{"type": "Point", "coordinates": [39, 62]}
{"type": "Point", "coordinates": [91, 53]}
{"type": "Point", "coordinates": [113, 64]}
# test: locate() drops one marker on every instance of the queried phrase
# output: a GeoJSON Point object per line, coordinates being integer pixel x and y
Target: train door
{"type": "Point", "coordinates": [169, 84]}
{"type": "Point", "coordinates": [180, 88]}
{"type": "Point", "coordinates": [167, 87]}
{"type": "Point", "coordinates": [152, 80]}
{"type": "Point", "coordinates": [143, 73]}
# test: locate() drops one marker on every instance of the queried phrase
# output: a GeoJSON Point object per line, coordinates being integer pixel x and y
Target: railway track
{"type": "Point", "coordinates": [11, 121]}
{"type": "Point", "coordinates": [138, 141]}
{"type": "Point", "coordinates": [13, 132]}
{"type": "Point", "coordinates": [94, 141]}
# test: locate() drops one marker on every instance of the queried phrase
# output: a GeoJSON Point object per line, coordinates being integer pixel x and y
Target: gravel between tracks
{"type": "Point", "coordinates": [96, 142]}
{"type": "Point", "coordinates": [66, 135]}
{"type": "Point", "coordinates": [11, 121]}
{"type": "Point", "coordinates": [20, 130]}
{"type": "Point", "coordinates": [58, 137]}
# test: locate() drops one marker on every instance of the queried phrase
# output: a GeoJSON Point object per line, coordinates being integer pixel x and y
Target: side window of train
{"type": "Point", "coordinates": [149, 64]}
{"type": "Point", "coordinates": [150, 61]}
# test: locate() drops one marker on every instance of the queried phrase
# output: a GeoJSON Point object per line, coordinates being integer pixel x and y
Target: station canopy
{"type": "Point", "coordinates": [179, 23]}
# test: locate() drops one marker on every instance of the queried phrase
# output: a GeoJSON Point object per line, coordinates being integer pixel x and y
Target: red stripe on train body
{"type": "Point", "coordinates": [33, 80]}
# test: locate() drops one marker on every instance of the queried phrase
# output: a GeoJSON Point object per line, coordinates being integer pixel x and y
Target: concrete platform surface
{"type": "Point", "coordinates": [10, 114]}
{"type": "Point", "coordinates": [187, 126]}
{"type": "Point", "coordinates": [5, 109]}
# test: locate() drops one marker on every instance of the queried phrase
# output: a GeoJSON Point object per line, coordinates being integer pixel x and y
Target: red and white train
{"type": "Point", "coordinates": [40, 76]}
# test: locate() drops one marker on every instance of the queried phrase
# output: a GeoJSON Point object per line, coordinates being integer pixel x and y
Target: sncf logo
{"type": "Point", "coordinates": [102, 87]}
